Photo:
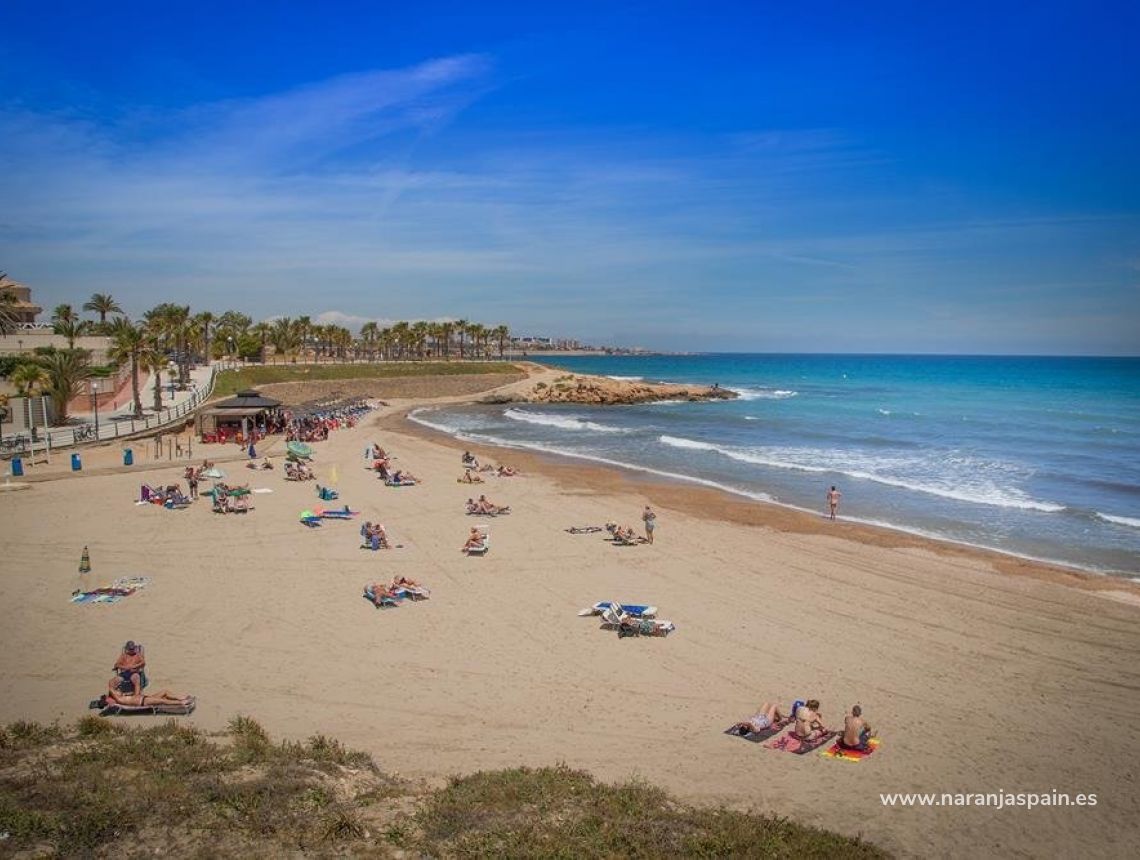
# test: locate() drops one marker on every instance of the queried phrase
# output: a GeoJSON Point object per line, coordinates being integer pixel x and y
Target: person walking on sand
{"type": "Point", "coordinates": [650, 520]}
{"type": "Point", "coordinates": [833, 496]}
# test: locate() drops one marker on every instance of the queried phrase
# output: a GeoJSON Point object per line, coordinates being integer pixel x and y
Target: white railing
{"type": "Point", "coordinates": [111, 428]}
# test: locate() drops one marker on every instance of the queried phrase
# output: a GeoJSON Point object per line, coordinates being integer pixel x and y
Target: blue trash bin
{"type": "Point", "coordinates": [17, 467]}
{"type": "Point", "coordinates": [128, 457]}
{"type": "Point", "coordinates": [76, 463]}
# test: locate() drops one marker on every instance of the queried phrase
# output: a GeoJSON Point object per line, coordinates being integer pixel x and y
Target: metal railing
{"type": "Point", "coordinates": [110, 428]}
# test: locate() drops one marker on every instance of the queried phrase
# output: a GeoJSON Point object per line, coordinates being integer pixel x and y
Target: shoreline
{"type": "Point", "coordinates": [719, 503]}
{"type": "Point", "coordinates": [955, 662]}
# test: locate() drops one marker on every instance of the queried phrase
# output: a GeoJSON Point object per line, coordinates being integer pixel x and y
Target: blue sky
{"type": "Point", "coordinates": [893, 177]}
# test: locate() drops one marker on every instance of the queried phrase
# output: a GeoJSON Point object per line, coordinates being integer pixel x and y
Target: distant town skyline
{"type": "Point", "coordinates": [745, 178]}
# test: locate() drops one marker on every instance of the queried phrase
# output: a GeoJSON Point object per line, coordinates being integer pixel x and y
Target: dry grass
{"type": "Point", "coordinates": [102, 788]}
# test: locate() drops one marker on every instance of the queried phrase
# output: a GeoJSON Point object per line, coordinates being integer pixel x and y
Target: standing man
{"type": "Point", "coordinates": [650, 520]}
{"type": "Point", "coordinates": [833, 496]}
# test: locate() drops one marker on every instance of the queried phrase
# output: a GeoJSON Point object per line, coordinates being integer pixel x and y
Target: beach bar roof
{"type": "Point", "coordinates": [245, 404]}
{"type": "Point", "coordinates": [248, 399]}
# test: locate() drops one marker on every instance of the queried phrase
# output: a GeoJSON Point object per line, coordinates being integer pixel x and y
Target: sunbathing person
{"type": "Point", "coordinates": [488, 507]}
{"type": "Point", "coordinates": [507, 471]}
{"type": "Point", "coordinates": [377, 591]}
{"type": "Point", "coordinates": [809, 725]}
{"type": "Point", "coordinates": [162, 697]}
{"type": "Point", "coordinates": [475, 540]}
{"type": "Point", "coordinates": [857, 732]}
{"type": "Point", "coordinates": [469, 478]}
{"type": "Point", "coordinates": [766, 717]}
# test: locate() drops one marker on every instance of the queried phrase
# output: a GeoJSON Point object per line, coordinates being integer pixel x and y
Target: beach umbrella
{"type": "Point", "coordinates": [308, 515]}
{"type": "Point", "coordinates": [85, 562]}
{"type": "Point", "coordinates": [239, 491]}
{"type": "Point", "coordinates": [214, 472]}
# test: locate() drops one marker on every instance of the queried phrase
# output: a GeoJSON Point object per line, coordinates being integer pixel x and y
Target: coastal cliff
{"type": "Point", "coordinates": [555, 387]}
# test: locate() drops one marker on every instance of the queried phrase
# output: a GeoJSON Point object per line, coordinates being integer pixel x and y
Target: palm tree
{"type": "Point", "coordinates": [102, 304]}
{"type": "Point", "coordinates": [304, 328]}
{"type": "Point", "coordinates": [128, 342]}
{"type": "Point", "coordinates": [502, 333]}
{"type": "Point", "coordinates": [203, 322]}
{"type": "Point", "coordinates": [28, 379]}
{"type": "Point", "coordinates": [262, 331]}
{"type": "Point", "coordinates": [66, 369]}
{"type": "Point", "coordinates": [286, 336]}
{"type": "Point", "coordinates": [153, 359]}
{"type": "Point", "coordinates": [369, 335]}
{"type": "Point", "coordinates": [461, 330]}
{"type": "Point", "coordinates": [171, 324]}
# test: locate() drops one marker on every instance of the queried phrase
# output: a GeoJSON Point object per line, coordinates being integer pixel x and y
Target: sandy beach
{"type": "Point", "coordinates": [979, 680]}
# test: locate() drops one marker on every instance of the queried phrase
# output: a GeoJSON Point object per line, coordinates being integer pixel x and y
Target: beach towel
{"type": "Point", "coordinates": [386, 602]}
{"type": "Point", "coordinates": [214, 472]}
{"type": "Point", "coordinates": [404, 483]}
{"type": "Point", "coordinates": [583, 530]}
{"type": "Point", "coordinates": [263, 490]}
{"type": "Point", "coordinates": [757, 737]}
{"type": "Point", "coordinates": [122, 587]}
{"type": "Point", "coordinates": [842, 753]}
{"type": "Point", "coordinates": [790, 743]}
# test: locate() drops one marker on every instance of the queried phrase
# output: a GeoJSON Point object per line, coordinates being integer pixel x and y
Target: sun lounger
{"type": "Point", "coordinates": [637, 610]}
{"type": "Point", "coordinates": [412, 592]}
{"type": "Point", "coordinates": [339, 514]}
{"type": "Point", "coordinates": [628, 625]}
{"type": "Point", "coordinates": [583, 530]}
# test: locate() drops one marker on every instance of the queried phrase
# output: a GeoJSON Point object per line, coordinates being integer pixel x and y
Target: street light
{"type": "Point", "coordinates": [230, 341]}
{"type": "Point", "coordinates": [95, 399]}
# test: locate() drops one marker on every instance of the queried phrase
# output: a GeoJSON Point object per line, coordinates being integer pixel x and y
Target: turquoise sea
{"type": "Point", "coordinates": [1038, 457]}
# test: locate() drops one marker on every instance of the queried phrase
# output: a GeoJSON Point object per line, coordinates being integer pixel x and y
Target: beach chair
{"type": "Point", "coordinates": [628, 625]}
{"type": "Point", "coordinates": [485, 545]}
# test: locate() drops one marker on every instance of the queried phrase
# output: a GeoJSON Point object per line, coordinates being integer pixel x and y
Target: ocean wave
{"type": "Point", "coordinates": [1120, 521]}
{"type": "Point", "coordinates": [627, 378]}
{"type": "Point", "coordinates": [562, 422]}
{"type": "Point", "coordinates": [763, 393]}
{"type": "Point", "coordinates": [979, 492]}
{"type": "Point", "coordinates": [488, 439]}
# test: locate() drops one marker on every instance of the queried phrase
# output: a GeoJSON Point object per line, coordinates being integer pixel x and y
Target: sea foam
{"type": "Point", "coordinates": [562, 422]}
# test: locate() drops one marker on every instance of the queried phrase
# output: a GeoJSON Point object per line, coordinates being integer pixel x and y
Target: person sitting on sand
{"type": "Point", "coordinates": [857, 732]}
{"type": "Point", "coordinates": [469, 478]}
{"type": "Point", "coordinates": [378, 533]}
{"type": "Point", "coordinates": [399, 477]}
{"type": "Point", "coordinates": [469, 461]}
{"type": "Point", "coordinates": [474, 541]}
{"type": "Point", "coordinates": [766, 717]}
{"type": "Point", "coordinates": [809, 725]}
{"type": "Point", "coordinates": [130, 667]}
{"type": "Point", "coordinates": [162, 697]}
{"type": "Point", "coordinates": [507, 471]}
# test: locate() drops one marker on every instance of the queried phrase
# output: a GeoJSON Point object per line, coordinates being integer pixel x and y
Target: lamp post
{"type": "Point", "coordinates": [230, 343]}
{"type": "Point", "coordinates": [95, 400]}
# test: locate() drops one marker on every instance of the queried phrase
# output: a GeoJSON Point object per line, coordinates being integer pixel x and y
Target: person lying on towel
{"type": "Point", "coordinates": [140, 700]}
{"type": "Point", "coordinates": [857, 732]}
{"type": "Point", "coordinates": [767, 716]}
{"type": "Point", "coordinates": [809, 723]}
{"type": "Point", "coordinates": [378, 591]}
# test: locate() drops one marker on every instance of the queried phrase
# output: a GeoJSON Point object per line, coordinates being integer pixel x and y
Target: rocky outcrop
{"type": "Point", "coordinates": [602, 391]}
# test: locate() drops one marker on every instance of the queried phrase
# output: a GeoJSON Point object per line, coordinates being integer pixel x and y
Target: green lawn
{"type": "Point", "coordinates": [231, 381]}
{"type": "Point", "coordinates": [106, 788]}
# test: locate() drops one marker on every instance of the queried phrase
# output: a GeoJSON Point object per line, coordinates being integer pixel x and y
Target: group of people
{"type": "Point", "coordinates": [471, 467]}
{"type": "Point", "coordinates": [295, 470]}
{"type": "Point", "coordinates": [231, 500]}
{"type": "Point", "coordinates": [315, 424]}
{"type": "Point", "coordinates": [386, 594]}
{"type": "Point", "coordinates": [374, 536]}
{"type": "Point", "coordinates": [169, 496]}
{"type": "Point", "coordinates": [485, 507]}
{"type": "Point", "coordinates": [627, 535]}
{"type": "Point", "coordinates": [808, 725]}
